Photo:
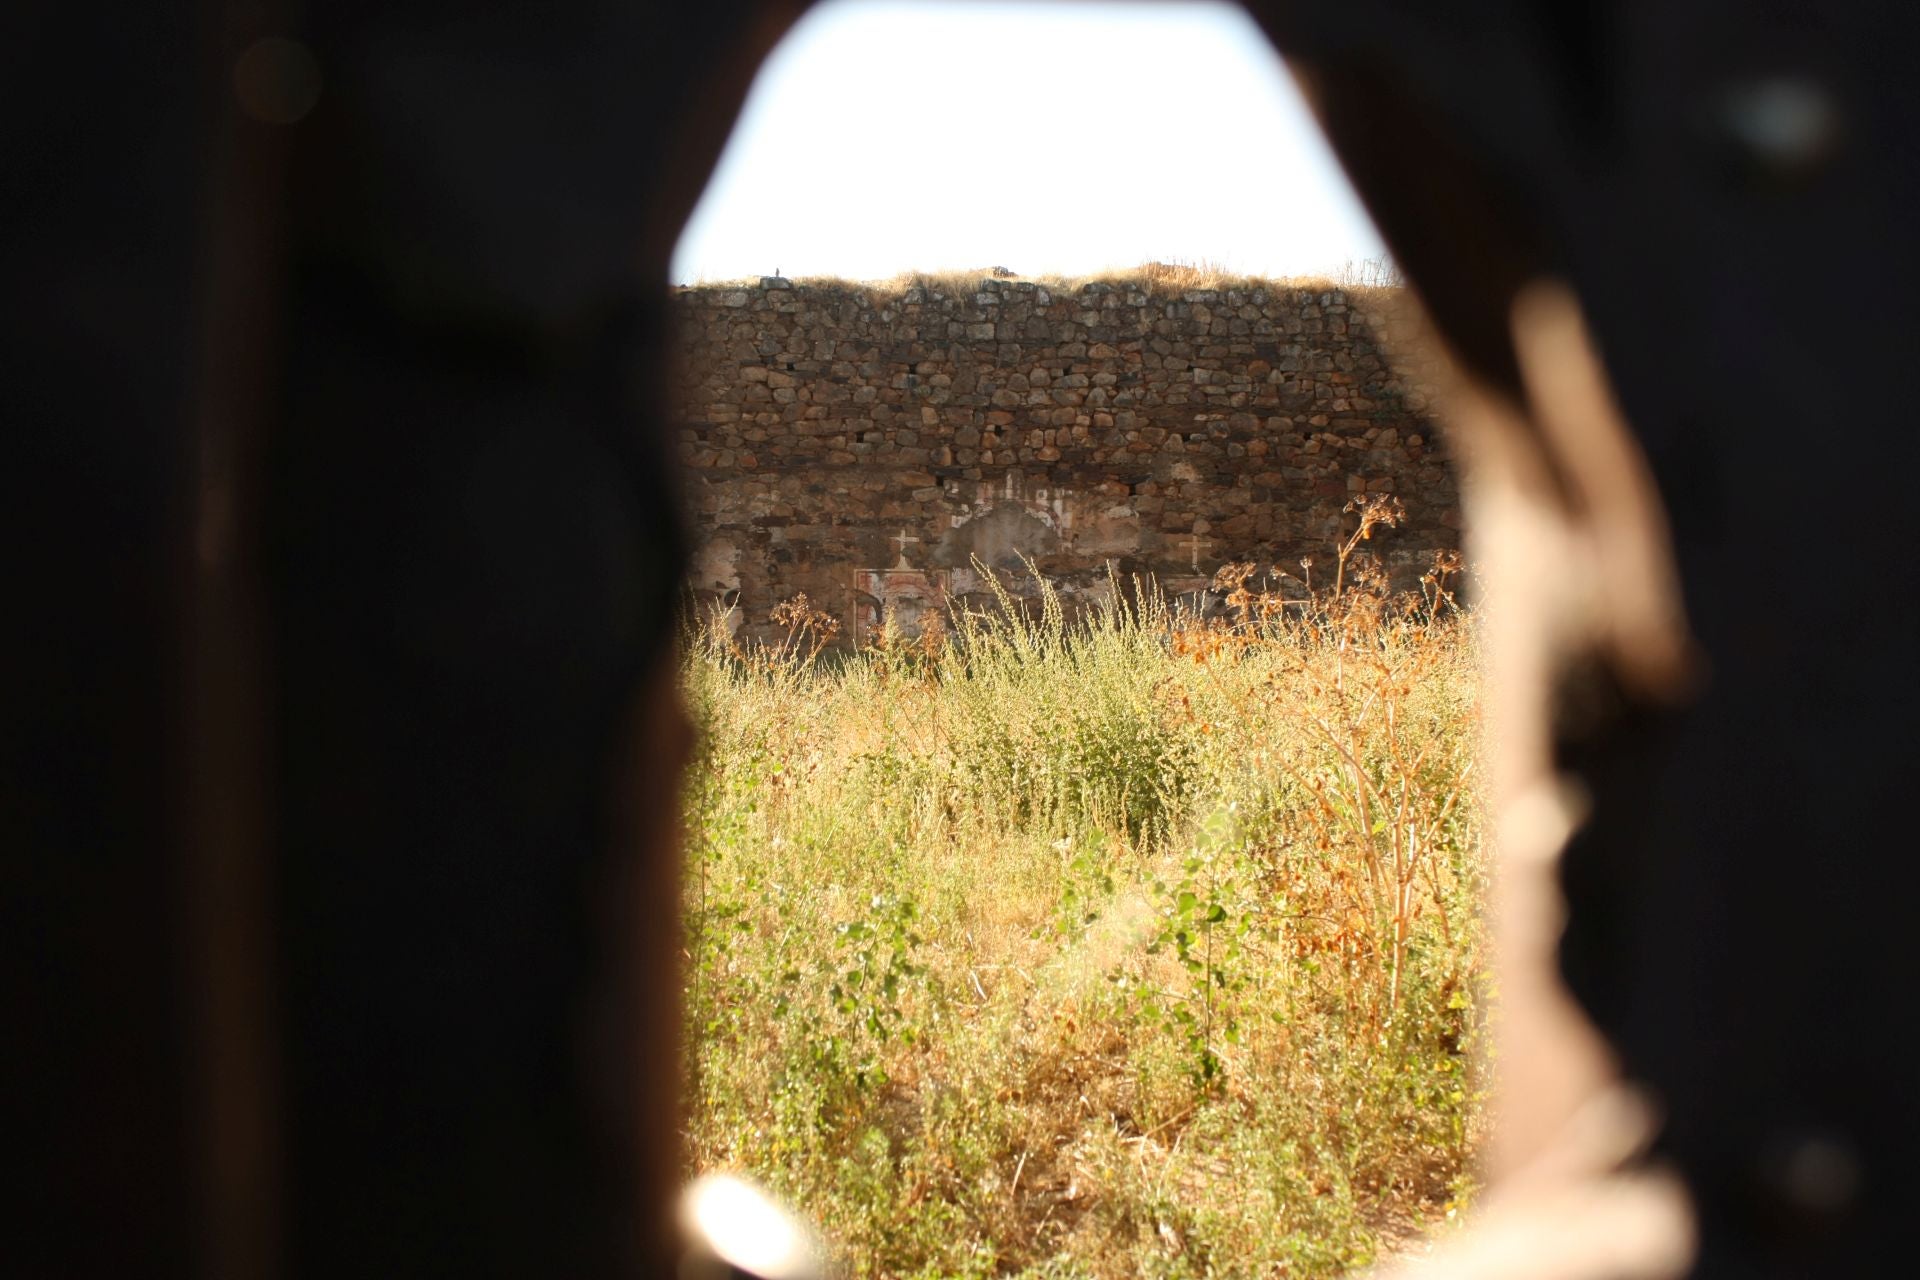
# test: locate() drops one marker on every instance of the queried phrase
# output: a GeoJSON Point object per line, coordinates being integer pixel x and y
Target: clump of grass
{"type": "Point", "coordinates": [1118, 945]}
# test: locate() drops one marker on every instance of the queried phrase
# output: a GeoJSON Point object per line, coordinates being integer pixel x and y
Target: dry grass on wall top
{"type": "Point", "coordinates": [1362, 282]}
{"type": "Point", "coordinates": [1127, 946]}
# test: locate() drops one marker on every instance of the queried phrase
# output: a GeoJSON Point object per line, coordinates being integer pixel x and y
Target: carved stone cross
{"type": "Point", "coordinates": [903, 540]}
{"type": "Point", "coordinates": [1195, 543]}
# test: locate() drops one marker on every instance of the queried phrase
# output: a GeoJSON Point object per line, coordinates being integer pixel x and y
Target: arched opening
{"type": "Point", "coordinates": [1086, 854]}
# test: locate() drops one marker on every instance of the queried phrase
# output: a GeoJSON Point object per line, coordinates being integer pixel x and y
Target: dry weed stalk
{"type": "Point", "coordinates": [808, 628]}
{"type": "Point", "coordinates": [1382, 803]}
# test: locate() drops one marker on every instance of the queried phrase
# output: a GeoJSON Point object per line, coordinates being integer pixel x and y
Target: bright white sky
{"type": "Point", "coordinates": [893, 135]}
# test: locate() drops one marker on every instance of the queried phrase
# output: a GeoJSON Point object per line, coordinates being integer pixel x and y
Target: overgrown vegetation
{"type": "Point", "coordinates": [1125, 945]}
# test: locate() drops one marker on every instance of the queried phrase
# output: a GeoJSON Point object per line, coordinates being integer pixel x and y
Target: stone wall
{"type": "Point", "coordinates": [873, 447]}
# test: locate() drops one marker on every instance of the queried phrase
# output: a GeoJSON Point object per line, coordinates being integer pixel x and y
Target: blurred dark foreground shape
{"type": "Point", "coordinates": [337, 802]}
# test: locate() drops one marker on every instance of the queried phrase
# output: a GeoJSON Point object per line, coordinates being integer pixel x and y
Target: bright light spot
{"type": "Point", "coordinates": [746, 1229]}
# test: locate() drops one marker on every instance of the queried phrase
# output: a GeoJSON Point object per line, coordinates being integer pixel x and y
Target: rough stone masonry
{"type": "Point", "coordinates": [875, 447]}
